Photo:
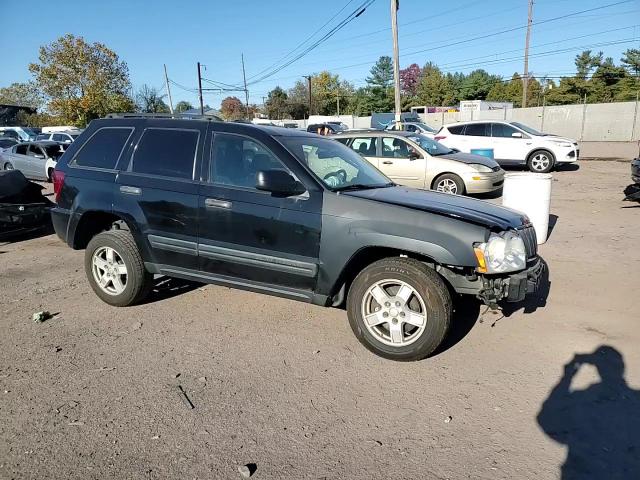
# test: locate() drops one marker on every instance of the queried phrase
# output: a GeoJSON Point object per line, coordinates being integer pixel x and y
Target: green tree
{"type": "Point", "coordinates": [299, 100]}
{"type": "Point", "coordinates": [380, 86]}
{"type": "Point", "coordinates": [83, 81]}
{"type": "Point", "coordinates": [477, 84]}
{"type": "Point", "coordinates": [586, 62]}
{"type": "Point", "coordinates": [434, 89]}
{"type": "Point", "coordinates": [631, 60]}
{"type": "Point", "coordinates": [232, 108]}
{"type": "Point", "coordinates": [149, 100]}
{"type": "Point", "coordinates": [276, 104]}
{"type": "Point", "coordinates": [24, 94]}
{"type": "Point", "coordinates": [512, 91]}
{"type": "Point", "coordinates": [182, 106]}
{"type": "Point", "coordinates": [381, 74]}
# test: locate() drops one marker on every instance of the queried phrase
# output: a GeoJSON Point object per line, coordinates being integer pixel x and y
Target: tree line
{"type": "Point", "coordinates": [74, 82]}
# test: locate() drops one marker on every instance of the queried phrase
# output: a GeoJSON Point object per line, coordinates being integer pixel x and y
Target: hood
{"type": "Point", "coordinates": [454, 206]}
{"type": "Point", "coordinates": [470, 158]}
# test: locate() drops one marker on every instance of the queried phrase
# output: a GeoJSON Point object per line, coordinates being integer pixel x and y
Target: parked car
{"type": "Point", "coordinates": [416, 127]}
{"type": "Point", "coordinates": [35, 160]}
{"type": "Point", "coordinates": [61, 137]}
{"type": "Point", "coordinates": [333, 129]}
{"type": "Point", "coordinates": [414, 160]}
{"type": "Point", "coordinates": [7, 142]}
{"type": "Point", "coordinates": [23, 134]}
{"type": "Point", "coordinates": [286, 213]}
{"type": "Point", "coordinates": [513, 143]}
{"type": "Point", "coordinates": [23, 207]}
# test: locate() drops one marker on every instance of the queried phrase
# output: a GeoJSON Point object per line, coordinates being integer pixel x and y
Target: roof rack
{"type": "Point", "coordinates": [165, 115]}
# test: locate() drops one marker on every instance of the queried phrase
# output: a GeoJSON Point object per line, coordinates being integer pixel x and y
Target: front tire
{"type": "Point", "coordinates": [541, 161]}
{"type": "Point", "coordinates": [8, 166]}
{"type": "Point", "coordinates": [115, 269]}
{"type": "Point", "coordinates": [449, 183]}
{"type": "Point", "coordinates": [399, 309]}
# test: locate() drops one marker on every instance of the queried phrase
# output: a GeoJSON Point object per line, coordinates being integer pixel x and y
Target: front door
{"type": "Point", "coordinates": [157, 187]}
{"type": "Point", "coordinates": [397, 163]}
{"type": "Point", "coordinates": [253, 236]}
{"type": "Point", "coordinates": [507, 148]}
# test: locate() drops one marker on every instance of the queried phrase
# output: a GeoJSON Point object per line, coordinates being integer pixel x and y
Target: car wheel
{"type": "Point", "coordinates": [115, 268]}
{"type": "Point", "coordinates": [541, 161]}
{"type": "Point", "coordinates": [8, 166]}
{"type": "Point", "coordinates": [449, 183]}
{"type": "Point", "coordinates": [399, 309]}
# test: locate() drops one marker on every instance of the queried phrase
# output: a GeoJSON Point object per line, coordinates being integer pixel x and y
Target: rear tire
{"type": "Point", "coordinates": [8, 166]}
{"type": "Point", "coordinates": [449, 183]}
{"type": "Point", "coordinates": [541, 161]}
{"type": "Point", "coordinates": [412, 316]}
{"type": "Point", "coordinates": [107, 278]}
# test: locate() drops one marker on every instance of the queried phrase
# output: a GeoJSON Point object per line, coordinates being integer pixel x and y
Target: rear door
{"type": "Point", "coordinates": [476, 136]}
{"type": "Point", "coordinates": [368, 148]}
{"type": "Point", "coordinates": [156, 186]}
{"type": "Point", "coordinates": [19, 159]}
{"type": "Point", "coordinates": [397, 164]}
{"type": "Point", "coordinates": [36, 162]}
{"type": "Point", "coordinates": [508, 149]}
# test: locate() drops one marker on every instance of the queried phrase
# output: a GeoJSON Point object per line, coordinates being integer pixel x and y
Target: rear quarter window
{"type": "Point", "coordinates": [167, 152]}
{"type": "Point", "coordinates": [456, 129]}
{"type": "Point", "coordinates": [103, 148]}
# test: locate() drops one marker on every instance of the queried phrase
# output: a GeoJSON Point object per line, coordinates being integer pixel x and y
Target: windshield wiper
{"type": "Point", "coordinates": [362, 186]}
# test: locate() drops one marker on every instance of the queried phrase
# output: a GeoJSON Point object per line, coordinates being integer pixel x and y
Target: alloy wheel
{"type": "Point", "coordinates": [109, 270]}
{"type": "Point", "coordinates": [447, 185]}
{"type": "Point", "coordinates": [540, 162]}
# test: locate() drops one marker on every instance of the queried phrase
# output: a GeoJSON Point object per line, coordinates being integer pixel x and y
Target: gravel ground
{"type": "Point", "coordinates": [95, 391]}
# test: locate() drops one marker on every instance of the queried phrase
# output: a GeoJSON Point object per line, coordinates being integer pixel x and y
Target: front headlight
{"type": "Point", "coordinates": [480, 168]}
{"type": "Point", "coordinates": [501, 253]}
{"type": "Point", "coordinates": [563, 144]}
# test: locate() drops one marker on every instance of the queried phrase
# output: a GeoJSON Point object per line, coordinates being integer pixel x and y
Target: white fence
{"type": "Point", "coordinates": [596, 122]}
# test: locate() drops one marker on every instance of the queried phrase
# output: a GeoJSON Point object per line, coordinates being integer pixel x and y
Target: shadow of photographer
{"type": "Point", "coordinates": [600, 425]}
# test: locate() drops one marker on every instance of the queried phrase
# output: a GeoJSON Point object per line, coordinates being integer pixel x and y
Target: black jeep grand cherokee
{"type": "Point", "coordinates": [285, 213]}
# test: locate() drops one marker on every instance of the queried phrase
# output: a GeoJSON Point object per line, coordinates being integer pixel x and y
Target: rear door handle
{"type": "Point", "coordinates": [215, 203]}
{"type": "Point", "coordinates": [130, 190]}
{"type": "Point", "coordinates": [387, 162]}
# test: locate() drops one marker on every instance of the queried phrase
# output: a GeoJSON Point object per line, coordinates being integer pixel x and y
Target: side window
{"type": "Point", "coordinates": [103, 148]}
{"type": "Point", "coordinates": [35, 150]}
{"type": "Point", "coordinates": [478, 130]}
{"type": "Point", "coordinates": [235, 160]}
{"type": "Point", "coordinates": [502, 130]}
{"type": "Point", "coordinates": [365, 146]}
{"type": "Point", "coordinates": [411, 128]}
{"type": "Point", "coordinates": [456, 129]}
{"type": "Point", "coordinates": [394, 147]}
{"type": "Point", "coordinates": [167, 152]}
{"type": "Point", "coordinates": [343, 141]}
{"type": "Point", "coordinates": [58, 137]}
{"type": "Point", "coordinates": [21, 149]}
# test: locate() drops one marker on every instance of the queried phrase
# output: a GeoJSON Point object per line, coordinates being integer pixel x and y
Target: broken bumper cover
{"type": "Point", "coordinates": [513, 287]}
{"type": "Point", "coordinates": [21, 218]}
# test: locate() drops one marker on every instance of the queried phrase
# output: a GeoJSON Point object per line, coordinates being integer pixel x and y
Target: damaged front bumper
{"type": "Point", "coordinates": [513, 287]}
{"type": "Point", "coordinates": [22, 218]}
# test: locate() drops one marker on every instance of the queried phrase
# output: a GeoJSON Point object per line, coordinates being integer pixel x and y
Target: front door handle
{"type": "Point", "coordinates": [215, 203]}
{"type": "Point", "coordinates": [387, 162]}
{"type": "Point", "coordinates": [130, 190]}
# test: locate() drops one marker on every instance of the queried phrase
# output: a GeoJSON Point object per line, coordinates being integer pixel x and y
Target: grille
{"type": "Point", "coordinates": [528, 235]}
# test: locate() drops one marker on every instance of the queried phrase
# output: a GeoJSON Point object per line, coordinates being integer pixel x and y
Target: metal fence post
{"type": "Point", "coordinates": [584, 112]}
{"type": "Point", "coordinates": [635, 118]}
{"type": "Point", "coordinates": [543, 112]}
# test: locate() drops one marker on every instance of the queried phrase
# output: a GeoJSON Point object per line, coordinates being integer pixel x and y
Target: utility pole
{"type": "Point", "coordinates": [200, 90]}
{"type": "Point", "coordinates": [525, 77]}
{"type": "Point", "coordinates": [308, 77]}
{"type": "Point", "coordinates": [246, 92]}
{"type": "Point", "coordinates": [338, 102]}
{"type": "Point", "coordinates": [166, 81]}
{"type": "Point", "coordinates": [396, 61]}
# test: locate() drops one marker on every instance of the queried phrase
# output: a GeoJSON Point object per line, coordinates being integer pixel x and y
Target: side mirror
{"type": "Point", "coordinates": [516, 135]}
{"type": "Point", "coordinates": [278, 182]}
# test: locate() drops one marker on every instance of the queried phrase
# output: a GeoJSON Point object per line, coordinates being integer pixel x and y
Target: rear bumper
{"type": "Point", "coordinates": [60, 220]}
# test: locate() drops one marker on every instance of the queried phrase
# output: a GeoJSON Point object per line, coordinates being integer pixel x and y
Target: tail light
{"type": "Point", "coordinates": [437, 138]}
{"type": "Point", "coordinates": [58, 182]}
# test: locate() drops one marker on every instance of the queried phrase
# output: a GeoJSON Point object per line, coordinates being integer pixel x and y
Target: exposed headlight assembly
{"type": "Point", "coordinates": [480, 168]}
{"type": "Point", "coordinates": [502, 253]}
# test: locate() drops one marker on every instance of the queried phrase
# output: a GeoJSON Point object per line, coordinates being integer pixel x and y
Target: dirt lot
{"type": "Point", "coordinates": [93, 392]}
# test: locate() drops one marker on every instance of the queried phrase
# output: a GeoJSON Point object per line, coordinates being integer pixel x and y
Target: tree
{"type": "Point", "coordinates": [24, 94]}
{"type": "Point", "coordinates": [381, 73]}
{"type": "Point", "coordinates": [477, 84]}
{"type": "Point", "coordinates": [83, 81]}
{"type": "Point", "coordinates": [299, 100]}
{"type": "Point", "coordinates": [379, 86]}
{"type": "Point", "coordinates": [586, 62]}
{"type": "Point", "coordinates": [232, 108]}
{"type": "Point", "coordinates": [434, 89]}
{"type": "Point", "coordinates": [631, 60]}
{"type": "Point", "coordinates": [276, 104]}
{"type": "Point", "coordinates": [409, 79]}
{"type": "Point", "coordinates": [182, 106]}
{"type": "Point", "coordinates": [149, 100]}
{"type": "Point", "coordinates": [512, 91]}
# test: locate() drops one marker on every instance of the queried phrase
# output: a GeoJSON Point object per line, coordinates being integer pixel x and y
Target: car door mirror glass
{"type": "Point", "coordinates": [278, 182]}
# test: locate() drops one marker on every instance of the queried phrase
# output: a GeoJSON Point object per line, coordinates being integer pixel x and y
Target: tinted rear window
{"type": "Point", "coordinates": [478, 130]}
{"type": "Point", "coordinates": [103, 149]}
{"type": "Point", "coordinates": [456, 130]}
{"type": "Point", "coordinates": [166, 152]}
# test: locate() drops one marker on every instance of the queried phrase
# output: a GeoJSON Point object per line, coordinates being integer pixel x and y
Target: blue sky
{"type": "Point", "coordinates": [216, 32]}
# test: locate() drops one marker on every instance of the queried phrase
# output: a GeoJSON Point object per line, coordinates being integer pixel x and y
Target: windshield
{"type": "Point", "coordinates": [53, 151]}
{"type": "Point", "coordinates": [529, 130]}
{"type": "Point", "coordinates": [337, 166]}
{"type": "Point", "coordinates": [431, 146]}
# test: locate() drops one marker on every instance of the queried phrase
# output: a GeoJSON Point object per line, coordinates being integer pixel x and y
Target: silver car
{"type": "Point", "coordinates": [414, 160]}
{"type": "Point", "coordinates": [36, 160]}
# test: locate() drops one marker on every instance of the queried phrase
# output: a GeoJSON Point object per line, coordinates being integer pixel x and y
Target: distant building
{"type": "Point", "coordinates": [9, 113]}
{"type": "Point", "coordinates": [478, 105]}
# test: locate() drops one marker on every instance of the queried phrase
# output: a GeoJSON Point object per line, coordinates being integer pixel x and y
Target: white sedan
{"type": "Point", "coordinates": [36, 160]}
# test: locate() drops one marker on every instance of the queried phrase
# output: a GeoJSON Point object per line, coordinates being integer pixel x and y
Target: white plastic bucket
{"type": "Point", "coordinates": [530, 193]}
